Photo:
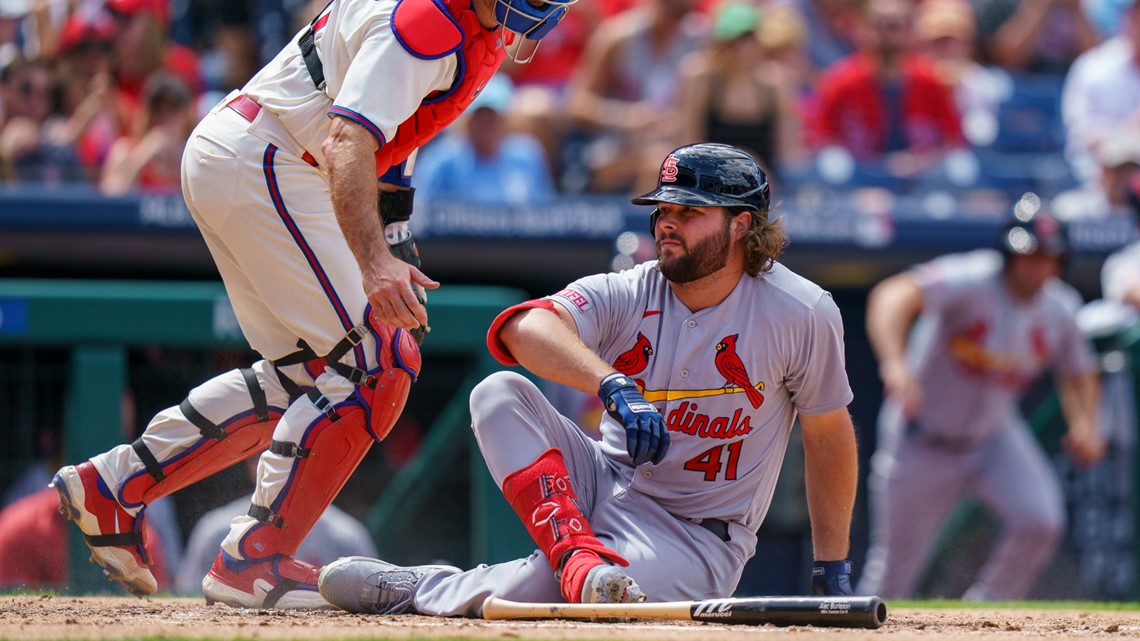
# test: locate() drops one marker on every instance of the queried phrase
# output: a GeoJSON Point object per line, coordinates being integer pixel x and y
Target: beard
{"type": "Point", "coordinates": [707, 255]}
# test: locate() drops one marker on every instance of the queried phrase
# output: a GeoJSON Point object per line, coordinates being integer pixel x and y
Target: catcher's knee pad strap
{"type": "Point", "coordinates": [383, 390]}
{"type": "Point", "coordinates": [219, 447]}
{"type": "Point", "coordinates": [543, 497]}
{"type": "Point", "coordinates": [327, 455]}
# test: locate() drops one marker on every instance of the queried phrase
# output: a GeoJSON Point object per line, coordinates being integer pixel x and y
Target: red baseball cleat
{"type": "Point", "coordinates": [276, 582]}
{"type": "Point", "coordinates": [114, 536]}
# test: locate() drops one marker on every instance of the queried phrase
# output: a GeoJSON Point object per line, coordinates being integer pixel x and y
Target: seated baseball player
{"type": "Point", "coordinates": [703, 360]}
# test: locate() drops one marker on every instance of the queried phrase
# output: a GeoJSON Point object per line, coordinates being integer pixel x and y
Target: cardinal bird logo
{"type": "Point", "coordinates": [730, 366]}
{"type": "Point", "coordinates": [636, 358]}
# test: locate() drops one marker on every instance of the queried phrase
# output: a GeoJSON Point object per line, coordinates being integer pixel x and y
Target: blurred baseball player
{"type": "Point", "coordinates": [991, 322]}
{"type": "Point", "coordinates": [281, 178]}
{"type": "Point", "coordinates": [720, 347]}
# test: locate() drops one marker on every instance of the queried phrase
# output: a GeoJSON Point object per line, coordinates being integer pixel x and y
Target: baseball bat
{"type": "Point", "coordinates": [847, 612]}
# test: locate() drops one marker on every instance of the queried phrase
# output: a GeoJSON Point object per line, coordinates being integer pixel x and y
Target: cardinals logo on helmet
{"type": "Point", "coordinates": [669, 169]}
{"type": "Point", "coordinates": [730, 366]}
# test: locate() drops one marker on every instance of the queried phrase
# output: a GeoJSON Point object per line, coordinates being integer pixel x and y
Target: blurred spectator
{"type": "Point", "coordinates": [143, 48]}
{"type": "Point", "coordinates": [85, 65]}
{"type": "Point", "coordinates": [1102, 93]}
{"type": "Point", "coordinates": [149, 159]}
{"type": "Point", "coordinates": [831, 29]}
{"type": "Point", "coordinates": [947, 33]}
{"type": "Point", "coordinates": [1113, 193]}
{"type": "Point", "coordinates": [335, 534]}
{"type": "Point", "coordinates": [731, 93]}
{"type": "Point", "coordinates": [887, 99]}
{"type": "Point", "coordinates": [27, 101]}
{"type": "Point", "coordinates": [485, 163]}
{"type": "Point", "coordinates": [1040, 36]}
{"type": "Point", "coordinates": [783, 36]}
{"type": "Point", "coordinates": [625, 91]}
{"type": "Point", "coordinates": [13, 14]}
{"type": "Point", "coordinates": [34, 545]}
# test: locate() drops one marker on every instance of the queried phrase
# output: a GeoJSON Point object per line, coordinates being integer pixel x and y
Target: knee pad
{"type": "Point", "coordinates": [382, 390]}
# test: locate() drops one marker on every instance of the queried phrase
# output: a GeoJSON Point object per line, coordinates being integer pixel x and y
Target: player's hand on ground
{"type": "Point", "coordinates": [389, 287]}
{"type": "Point", "coordinates": [1085, 447]}
{"type": "Point", "coordinates": [900, 384]}
{"type": "Point", "coordinates": [831, 578]}
{"type": "Point", "coordinates": [646, 438]}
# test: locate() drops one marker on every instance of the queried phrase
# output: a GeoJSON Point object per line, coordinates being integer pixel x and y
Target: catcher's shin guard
{"type": "Point", "coordinates": [181, 445]}
{"type": "Point", "coordinates": [318, 444]}
{"type": "Point", "coordinates": [298, 479]}
{"type": "Point", "coordinates": [543, 497]}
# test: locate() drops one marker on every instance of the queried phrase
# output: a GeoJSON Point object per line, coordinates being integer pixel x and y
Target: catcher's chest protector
{"type": "Point", "coordinates": [426, 31]}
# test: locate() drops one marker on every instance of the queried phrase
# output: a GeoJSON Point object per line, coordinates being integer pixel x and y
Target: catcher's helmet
{"type": "Point", "coordinates": [1032, 230]}
{"type": "Point", "coordinates": [710, 175]}
{"type": "Point", "coordinates": [530, 21]}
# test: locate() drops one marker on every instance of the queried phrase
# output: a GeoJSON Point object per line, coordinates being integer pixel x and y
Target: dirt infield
{"type": "Point", "coordinates": [41, 617]}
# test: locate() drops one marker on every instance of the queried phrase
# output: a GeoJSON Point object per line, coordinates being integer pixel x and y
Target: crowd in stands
{"type": "Point", "coordinates": [899, 94]}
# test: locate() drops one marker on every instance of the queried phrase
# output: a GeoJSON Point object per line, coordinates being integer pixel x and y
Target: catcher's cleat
{"type": "Point", "coordinates": [609, 584]}
{"type": "Point", "coordinates": [371, 586]}
{"type": "Point", "coordinates": [279, 581]}
{"type": "Point", "coordinates": [114, 536]}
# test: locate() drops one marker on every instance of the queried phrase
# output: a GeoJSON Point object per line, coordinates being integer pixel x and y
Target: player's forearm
{"type": "Point", "coordinates": [1080, 400]}
{"type": "Point", "coordinates": [892, 308]}
{"type": "Point", "coordinates": [542, 342]}
{"type": "Point", "coordinates": [831, 474]}
{"type": "Point", "coordinates": [350, 160]}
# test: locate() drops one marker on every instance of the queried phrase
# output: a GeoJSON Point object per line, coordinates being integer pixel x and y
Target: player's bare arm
{"type": "Point", "coordinates": [349, 152]}
{"type": "Point", "coordinates": [1080, 394]}
{"type": "Point", "coordinates": [547, 344]}
{"type": "Point", "coordinates": [892, 308]}
{"type": "Point", "coordinates": [831, 474]}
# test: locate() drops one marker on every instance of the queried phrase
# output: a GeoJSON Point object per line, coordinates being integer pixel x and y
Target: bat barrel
{"type": "Point", "coordinates": [851, 612]}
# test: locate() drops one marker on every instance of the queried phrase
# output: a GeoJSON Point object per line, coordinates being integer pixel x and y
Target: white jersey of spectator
{"type": "Point", "coordinates": [1120, 273]}
{"type": "Point", "coordinates": [1101, 92]}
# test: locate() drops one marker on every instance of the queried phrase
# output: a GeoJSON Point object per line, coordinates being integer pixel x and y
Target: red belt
{"type": "Point", "coordinates": [249, 109]}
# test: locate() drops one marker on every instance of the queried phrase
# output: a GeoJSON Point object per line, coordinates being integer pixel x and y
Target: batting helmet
{"type": "Point", "coordinates": [1032, 230]}
{"type": "Point", "coordinates": [710, 175]}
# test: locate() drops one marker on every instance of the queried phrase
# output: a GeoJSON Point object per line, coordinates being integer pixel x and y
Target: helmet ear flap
{"type": "Point", "coordinates": [653, 221]}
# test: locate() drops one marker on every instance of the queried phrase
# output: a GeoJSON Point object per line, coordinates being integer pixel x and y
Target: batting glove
{"type": "Point", "coordinates": [831, 578]}
{"type": "Point", "coordinates": [646, 438]}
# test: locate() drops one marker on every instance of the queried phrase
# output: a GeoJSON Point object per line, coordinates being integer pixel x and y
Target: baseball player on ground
{"type": "Point", "coordinates": [989, 323]}
{"type": "Point", "coordinates": [703, 360]}
{"type": "Point", "coordinates": [281, 179]}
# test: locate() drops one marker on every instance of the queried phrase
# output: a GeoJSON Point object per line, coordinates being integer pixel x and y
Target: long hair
{"type": "Point", "coordinates": [763, 243]}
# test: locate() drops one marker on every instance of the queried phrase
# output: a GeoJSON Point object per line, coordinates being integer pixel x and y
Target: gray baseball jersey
{"type": "Point", "coordinates": [729, 380]}
{"type": "Point", "coordinates": [976, 349]}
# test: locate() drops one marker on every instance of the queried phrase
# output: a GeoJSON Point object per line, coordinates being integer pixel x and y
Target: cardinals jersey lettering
{"type": "Point", "coordinates": [975, 342]}
{"type": "Point", "coordinates": [729, 380]}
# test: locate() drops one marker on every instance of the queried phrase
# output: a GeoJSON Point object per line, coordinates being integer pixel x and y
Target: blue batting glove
{"type": "Point", "coordinates": [831, 578]}
{"type": "Point", "coordinates": [646, 438]}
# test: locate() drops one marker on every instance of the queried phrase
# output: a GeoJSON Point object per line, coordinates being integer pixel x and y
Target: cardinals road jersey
{"type": "Point", "coordinates": [975, 349]}
{"type": "Point", "coordinates": [729, 380]}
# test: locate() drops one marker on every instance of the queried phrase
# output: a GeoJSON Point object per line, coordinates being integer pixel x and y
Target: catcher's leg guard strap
{"type": "Point", "coordinates": [327, 454]}
{"type": "Point", "coordinates": [213, 448]}
{"type": "Point", "coordinates": [543, 497]}
{"type": "Point", "coordinates": [382, 390]}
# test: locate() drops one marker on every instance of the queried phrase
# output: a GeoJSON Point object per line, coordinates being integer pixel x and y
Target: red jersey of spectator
{"type": "Point", "coordinates": [33, 544]}
{"type": "Point", "coordinates": [852, 112]}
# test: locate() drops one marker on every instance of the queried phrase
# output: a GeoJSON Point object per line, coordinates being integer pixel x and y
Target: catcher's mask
{"type": "Point", "coordinates": [709, 175]}
{"type": "Point", "coordinates": [1032, 230]}
{"type": "Point", "coordinates": [531, 21]}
